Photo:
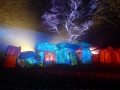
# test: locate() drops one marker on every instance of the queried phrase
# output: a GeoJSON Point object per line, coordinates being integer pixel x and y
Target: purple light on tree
{"type": "Point", "coordinates": [67, 13]}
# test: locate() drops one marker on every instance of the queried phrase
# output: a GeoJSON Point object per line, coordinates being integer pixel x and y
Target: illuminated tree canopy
{"type": "Point", "coordinates": [68, 14]}
{"type": "Point", "coordinates": [76, 16]}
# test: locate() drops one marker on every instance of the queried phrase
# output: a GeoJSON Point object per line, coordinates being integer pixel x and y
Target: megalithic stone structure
{"type": "Point", "coordinates": [12, 54]}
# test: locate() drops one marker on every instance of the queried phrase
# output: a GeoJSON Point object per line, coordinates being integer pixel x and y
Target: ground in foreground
{"type": "Point", "coordinates": [62, 77]}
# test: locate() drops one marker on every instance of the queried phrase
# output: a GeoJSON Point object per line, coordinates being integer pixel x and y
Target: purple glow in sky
{"type": "Point", "coordinates": [66, 14]}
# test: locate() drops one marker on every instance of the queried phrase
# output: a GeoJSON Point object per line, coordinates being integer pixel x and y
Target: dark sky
{"type": "Point", "coordinates": [27, 14]}
{"type": "Point", "coordinates": [107, 35]}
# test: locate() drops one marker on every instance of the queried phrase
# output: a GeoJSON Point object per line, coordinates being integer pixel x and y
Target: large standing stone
{"type": "Point", "coordinates": [86, 56]}
{"type": "Point", "coordinates": [29, 58]}
{"type": "Point", "coordinates": [48, 47]}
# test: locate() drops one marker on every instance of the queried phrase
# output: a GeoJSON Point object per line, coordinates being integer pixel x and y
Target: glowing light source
{"type": "Point", "coordinates": [94, 50]}
{"type": "Point", "coordinates": [25, 38]}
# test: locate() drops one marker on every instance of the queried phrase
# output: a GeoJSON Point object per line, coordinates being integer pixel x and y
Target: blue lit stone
{"type": "Point", "coordinates": [48, 47]}
{"type": "Point", "coordinates": [48, 63]}
{"type": "Point", "coordinates": [34, 61]}
{"type": "Point", "coordinates": [68, 47]}
{"type": "Point", "coordinates": [21, 62]}
{"type": "Point", "coordinates": [86, 56]}
{"type": "Point", "coordinates": [41, 59]}
{"type": "Point", "coordinates": [59, 59]}
{"type": "Point", "coordinates": [62, 57]}
{"type": "Point", "coordinates": [74, 58]}
{"type": "Point", "coordinates": [31, 62]}
{"type": "Point", "coordinates": [28, 54]}
{"type": "Point", "coordinates": [29, 57]}
{"type": "Point", "coordinates": [66, 56]}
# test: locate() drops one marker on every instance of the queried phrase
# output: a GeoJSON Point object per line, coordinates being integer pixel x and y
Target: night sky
{"type": "Point", "coordinates": [25, 15]}
{"type": "Point", "coordinates": [21, 25]}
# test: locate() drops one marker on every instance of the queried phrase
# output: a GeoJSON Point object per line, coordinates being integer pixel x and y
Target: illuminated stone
{"type": "Point", "coordinates": [86, 56]}
{"type": "Point", "coordinates": [41, 58]}
{"type": "Point", "coordinates": [49, 58]}
{"type": "Point", "coordinates": [69, 47]}
{"type": "Point", "coordinates": [95, 58]}
{"type": "Point", "coordinates": [62, 57]}
{"type": "Point", "coordinates": [74, 58]}
{"type": "Point", "coordinates": [29, 58]}
{"type": "Point", "coordinates": [48, 47]}
{"type": "Point", "coordinates": [10, 62]}
{"type": "Point", "coordinates": [13, 50]}
{"type": "Point", "coordinates": [102, 56]}
{"type": "Point", "coordinates": [21, 62]}
{"type": "Point", "coordinates": [108, 56]}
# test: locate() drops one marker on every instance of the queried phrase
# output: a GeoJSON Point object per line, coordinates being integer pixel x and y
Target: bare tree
{"type": "Point", "coordinates": [107, 12]}
{"type": "Point", "coordinates": [67, 13]}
